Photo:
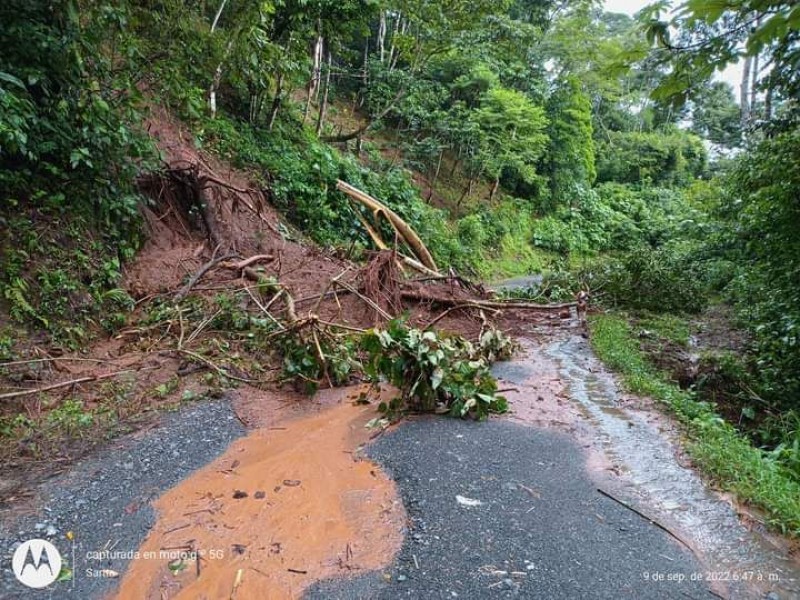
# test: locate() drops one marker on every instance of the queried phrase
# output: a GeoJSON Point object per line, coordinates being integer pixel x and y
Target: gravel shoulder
{"type": "Point", "coordinates": [105, 499]}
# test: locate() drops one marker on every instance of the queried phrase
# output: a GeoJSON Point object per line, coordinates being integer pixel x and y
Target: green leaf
{"type": "Point", "coordinates": [8, 78]}
{"type": "Point", "coordinates": [436, 378]}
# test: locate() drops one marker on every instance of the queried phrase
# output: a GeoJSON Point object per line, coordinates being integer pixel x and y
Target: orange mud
{"type": "Point", "coordinates": [324, 513]}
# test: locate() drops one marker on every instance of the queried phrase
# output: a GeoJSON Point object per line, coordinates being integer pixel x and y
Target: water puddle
{"type": "Point", "coordinates": [637, 444]}
{"type": "Point", "coordinates": [283, 508]}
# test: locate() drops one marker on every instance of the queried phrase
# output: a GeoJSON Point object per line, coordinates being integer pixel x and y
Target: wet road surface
{"type": "Point", "coordinates": [503, 510]}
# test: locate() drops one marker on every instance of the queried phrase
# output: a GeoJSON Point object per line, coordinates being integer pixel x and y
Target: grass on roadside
{"type": "Point", "coordinates": [715, 446]}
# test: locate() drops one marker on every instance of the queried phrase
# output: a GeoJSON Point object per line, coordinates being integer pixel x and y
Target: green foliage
{"type": "Point", "coordinates": [655, 158]}
{"type": "Point", "coordinates": [711, 35]}
{"type": "Point", "coordinates": [662, 280]}
{"type": "Point", "coordinates": [303, 364]}
{"type": "Point", "coordinates": [512, 134]}
{"type": "Point", "coordinates": [673, 328]}
{"type": "Point", "coordinates": [68, 159]}
{"type": "Point", "coordinates": [570, 160]}
{"type": "Point", "coordinates": [761, 236]}
{"type": "Point", "coordinates": [716, 115]}
{"type": "Point", "coordinates": [755, 476]}
{"type": "Point", "coordinates": [436, 373]}
{"type": "Point", "coordinates": [303, 174]}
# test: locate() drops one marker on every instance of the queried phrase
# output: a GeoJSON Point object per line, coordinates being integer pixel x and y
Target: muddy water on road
{"type": "Point", "coordinates": [282, 508]}
{"type": "Point", "coordinates": [632, 451]}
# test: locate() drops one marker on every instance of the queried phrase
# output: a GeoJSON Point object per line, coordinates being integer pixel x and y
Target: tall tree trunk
{"type": "Point", "coordinates": [436, 174]}
{"type": "Point", "coordinates": [393, 51]}
{"type": "Point", "coordinates": [495, 186]}
{"type": "Point", "coordinates": [466, 194]}
{"type": "Point", "coordinates": [382, 36]}
{"type": "Point", "coordinates": [316, 74]}
{"type": "Point", "coordinates": [754, 87]}
{"type": "Point", "coordinates": [323, 108]}
{"type": "Point", "coordinates": [768, 101]}
{"type": "Point", "coordinates": [218, 15]}
{"type": "Point", "coordinates": [276, 101]}
{"type": "Point", "coordinates": [744, 92]}
{"type": "Point", "coordinates": [212, 91]}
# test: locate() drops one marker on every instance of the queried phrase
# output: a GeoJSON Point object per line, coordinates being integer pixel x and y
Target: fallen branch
{"type": "Point", "coordinates": [211, 365]}
{"type": "Point", "coordinates": [491, 304]}
{"type": "Point", "coordinates": [448, 311]}
{"type": "Point", "coordinates": [71, 382]}
{"type": "Point", "coordinates": [265, 309]}
{"type": "Point", "coordinates": [54, 359]}
{"type": "Point", "coordinates": [418, 266]}
{"type": "Point", "coordinates": [408, 234]}
{"type": "Point", "coordinates": [242, 264]}
{"type": "Point", "coordinates": [645, 517]}
{"type": "Point", "coordinates": [368, 301]}
{"type": "Point", "coordinates": [184, 291]}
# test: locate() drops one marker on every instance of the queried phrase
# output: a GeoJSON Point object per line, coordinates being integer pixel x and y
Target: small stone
{"type": "Point", "coordinates": [260, 495]}
{"type": "Point", "coordinates": [39, 526]}
{"type": "Point", "coordinates": [508, 584]}
{"type": "Point", "coordinates": [401, 578]}
{"type": "Point", "coordinates": [239, 494]}
{"type": "Point", "coordinates": [51, 531]}
{"type": "Point", "coordinates": [291, 482]}
{"type": "Point", "coordinates": [239, 548]}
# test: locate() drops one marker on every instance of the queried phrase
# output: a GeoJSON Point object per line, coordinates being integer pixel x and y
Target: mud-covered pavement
{"type": "Point", "coordinates": [105, 500]}
{"type": "Point", "coordinates": [581, 492]}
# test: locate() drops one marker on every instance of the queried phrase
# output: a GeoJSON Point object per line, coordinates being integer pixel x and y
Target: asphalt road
{"type": "Point", "coordinates": [529, 523]}
{"type": "Point", "coordinates": [105, 499]}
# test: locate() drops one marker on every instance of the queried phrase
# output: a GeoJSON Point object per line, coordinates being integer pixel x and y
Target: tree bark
{"type": "Point", "coordinates": [495, 186]}
{"type": "Point", "coordinates": [217, 16]}
{"type": "Point", "coordinates": [744, 92]}
{"type": "Point", "coordinates": [212, 91]}
{"type": "Point", "coordinates": [276, 101]}
{"type": "Point", "coordinates": [323, 108]}
{"type": "Point", "coordinates": [316, 66]}
{"type": "Point", "coordinates": [754, 85]}
{"type": "Point", "coordinates": [382, 37]}
{"type": "Point", "coordinates": [408, 234]}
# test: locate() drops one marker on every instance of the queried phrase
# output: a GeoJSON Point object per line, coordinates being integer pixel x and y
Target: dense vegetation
{"type": "Point", "coordinates": [516, 136]}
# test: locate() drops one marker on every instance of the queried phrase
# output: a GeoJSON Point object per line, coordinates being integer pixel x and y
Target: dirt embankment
{"type": "Point", "coordinates": [215, 243]}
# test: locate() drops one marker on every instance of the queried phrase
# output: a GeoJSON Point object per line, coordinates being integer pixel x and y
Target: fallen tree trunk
{"type": "Point", "coordinates": [409, 235]}
{"type": "Point", "coordinates": [492, 304]}
{"type": "Point", "coordinates": [405, 260]}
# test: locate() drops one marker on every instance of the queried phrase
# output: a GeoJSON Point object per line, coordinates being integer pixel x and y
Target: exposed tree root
{"type": "Point", "coordinates": [381, 281]}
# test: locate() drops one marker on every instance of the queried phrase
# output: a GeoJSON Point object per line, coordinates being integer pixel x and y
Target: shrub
{"type": "Point", "coordinates": [436, 373]}
{"type": "Point", "coordinates": [660, 280]}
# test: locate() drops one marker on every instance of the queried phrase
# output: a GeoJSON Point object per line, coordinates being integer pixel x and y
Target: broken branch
{"type": "Point", "coordinates": [69, 383]}
{"type": "Point", "coordinates": [408, 234]}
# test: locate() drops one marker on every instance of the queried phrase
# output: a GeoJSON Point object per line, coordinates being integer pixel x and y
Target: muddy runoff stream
{"type": "Point", "coordinates": [632, 451]}
{"type": "Point", "coordinates": [282, 508]}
